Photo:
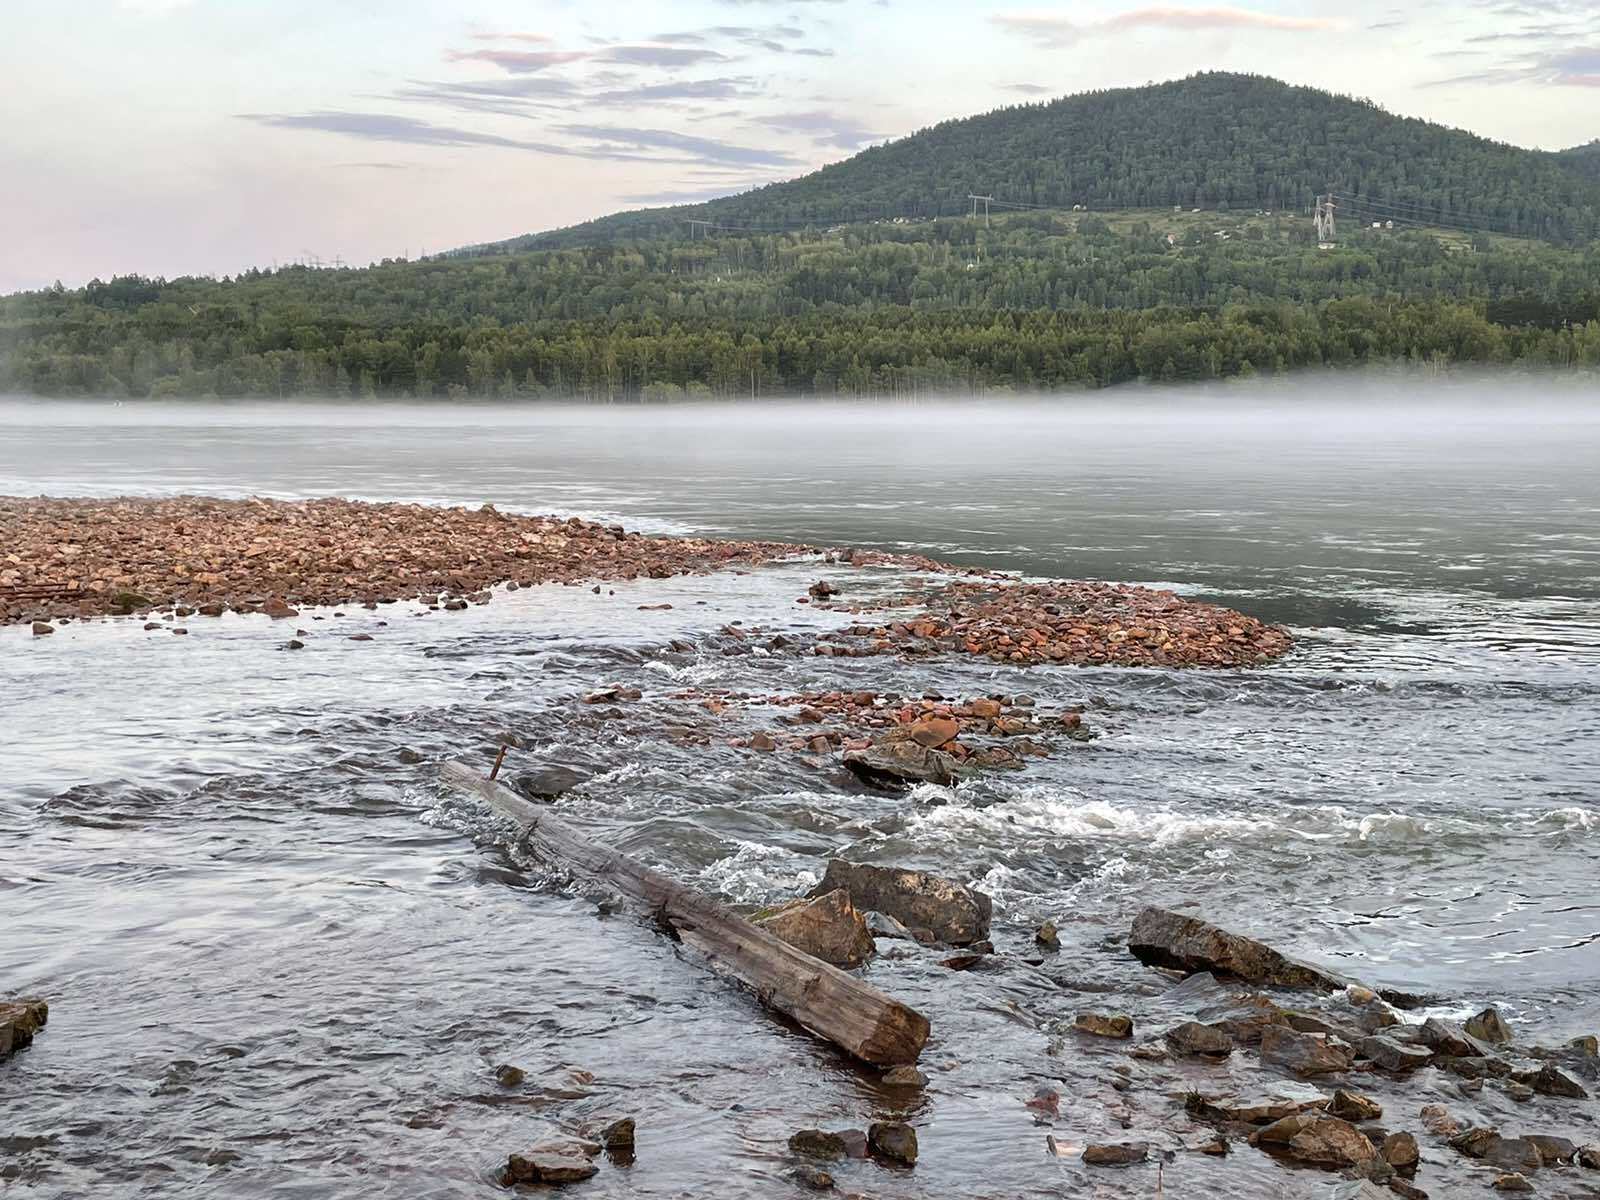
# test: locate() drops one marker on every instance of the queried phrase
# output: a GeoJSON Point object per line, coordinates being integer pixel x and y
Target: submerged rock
{"type": "Point", "coordinates": [817, 1143]}
{"type": "Point", "coordinates": [1302, 1053]}
{"type": "Point", "coordinates": [905, 1076]}
{"type": "Point", "coordinates": [619, 1135]}
{"type": "Point", "coordinates": [1118, 1026]}
{"type": "Point", "coordinates": [951, 911]}
{"type": "Point", "coordinates": [1047, 936]}
{"type": "Point", "coordinates": [508, 1076]}
{"type": "Point", "coordinates": [829, 928]}
{"type": "Point", "coordinates": [1316, 1140]}
{"type": "Point", "coordinates": [1162, 938]}
{"type": "Point", "coordinates": [814, 1178]}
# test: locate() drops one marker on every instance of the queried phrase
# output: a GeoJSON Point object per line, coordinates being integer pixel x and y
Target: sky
{"type": "Point", "coordinates": [174, 137]}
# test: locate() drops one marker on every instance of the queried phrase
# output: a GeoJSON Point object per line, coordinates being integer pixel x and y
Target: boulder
{"type": "Point", "coordinates": [894, 1140]}
{"type": "Point", "coordinates": [933, 732]}
{"type": "Point", "coordinates": [1390, 1055]}
{"type": "Point", "coordinates": [1511, 1182]}
{"type": "Point", "coordinates": [1118, 1026]}
{"type": "Point", "coordinates": [1488, 1146]}
{"type": "Point", "coordinates": [1047, 936]}
{"type": "Point", "coordinates": [1302, 1053]}
{"type": "Point", "coordinates": [894, 766]}
{"type": "Point", "coordinates": [1353, 1106]}
{"type": "Point", "coordinates": [1489, 1026]}
{"type": "Point", "coordinates": [1554, 1151]}
{"type": "Point", "coordinates": [1116, 1154]}
{"type": "Point", "coordinates": [951, 911]}
{"type": "Point", "coordinates": [1551, 1080]}
{"type": "Point", "coordinates": [1589, 1156]}
{"type": "Point", "coordinates": [552, 1165]}
{"type": "Point", "coordinates": [1587, 1045]}
{"type": "Point", "coordinates": [1400, 1151]}
{"type": "Point", "coordinates": [1194, 1038]}
{"type": "Point", "coordinates": [829, 928]}
{"type": "Point", "coordinates": [1259, 1112]}
{"type": "Point", "coordinates": [1162, 938]}
{"type": "Point", "coordinates": [19, 1020]}
{"type": "Point", "coordinates": [619, 1135]}
{"type": "Point", "coordinates": [1446, 1038]}
{"type": "Point", "coordinates": [1316, 1140]}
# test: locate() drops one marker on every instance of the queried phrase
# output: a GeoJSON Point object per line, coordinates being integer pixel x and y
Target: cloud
{"type": "Point", "coordinates": [688, 89]}
{"type": "Point", "coordinates": [1028, 89]}
{"type": "Point", "coordinates": [384, 127]}
{"type": "Point", "coordinates": [823, 127]}
{"type": "Point", "coordinates": [660, 56]}
{"type": "Point", "coordinates": [626, 139]}
{"type": "Point", "coordinates": [528, 62]}
{"type": "Point", "coordinates": [1055, 29]}
{"type": "Point", "coordinates": [1578, 66]}
{"type": "Point", "coordinates": [692, 195]}
{"type": "Point", "coordinates": [519, 62]}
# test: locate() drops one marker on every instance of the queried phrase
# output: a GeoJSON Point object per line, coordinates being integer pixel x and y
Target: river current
{"type": "Point", "coordinates": [282, 962]}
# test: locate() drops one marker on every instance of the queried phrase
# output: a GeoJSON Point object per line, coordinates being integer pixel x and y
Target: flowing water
{"type": "Point", "coordinates": [283, 963]}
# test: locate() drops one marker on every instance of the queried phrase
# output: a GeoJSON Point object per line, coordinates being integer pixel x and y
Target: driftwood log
{"type": "Point", "coordinates": [835, 1006]}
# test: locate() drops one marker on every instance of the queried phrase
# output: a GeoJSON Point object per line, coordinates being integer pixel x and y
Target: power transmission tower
{"type": "Point", "coordinates": [985, 201]}
{"type": "Point", "coordinates": [1327, 234]}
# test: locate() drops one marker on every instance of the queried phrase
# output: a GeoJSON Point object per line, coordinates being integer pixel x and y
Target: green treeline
{"type": "Point", "coordinates": [1034, 300]}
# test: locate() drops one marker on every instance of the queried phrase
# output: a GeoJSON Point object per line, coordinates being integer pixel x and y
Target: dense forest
{"type": "Point", "coordinates": [1209, 141]}
{"type": "Point", "coordinates": [1046, 297]}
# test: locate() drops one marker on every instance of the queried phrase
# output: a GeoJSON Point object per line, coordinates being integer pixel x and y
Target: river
{"type": "Point", "coordinates": [283, 963]}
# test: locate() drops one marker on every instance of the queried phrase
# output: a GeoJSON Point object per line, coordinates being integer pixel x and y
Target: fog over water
{"type": "Point", "coordinates": [283, 963]}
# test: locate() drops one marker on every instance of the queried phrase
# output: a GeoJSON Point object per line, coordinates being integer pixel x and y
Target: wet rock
{"type": "Point", "coordinates": [1194, 1038]}
{"type": "Point", "coordinates": [1554, 1151]}
{"type": "Point", "coordinates": [618, 1135]}
{"type": "Point", "coordinates": [952, 912]}
{"type": "Point", "coordinates": [1302, 1053]}
{"type": "Point", "coordinates": [294, 644]}
{"type": "Point", "coordinates": [1358, 1189]}
{"type": "Point", "coordinates": [884, 926]}
{"type": "Point", "coordinates": [814, 1178]}
{"type": "Point", "coordinates": [1437, 1120]}
{"type": "Point", "coordinates": [278, 609]}
{"type": "Point", "coordinates": [1406, 1190]}
{"type": "Point", "coordinates": [20, 1020]}
{"type": "Point", "coordinates": [933, 732]}
{"type": "Point", "coordinates": [1489, 1026]}
{"type": "Point", "coordinates": [1118, 1026]}
{"type": "Point", "coordinates": [1390, 1055]}
{"type": "Point", "coordinates": [1471, 1068]}
{"type": "Point", "coordinates": [817, 1143]}
{"type": "Point", "coordinates": [761, 740]}
{"type": "Point", "coordinates": [508, 1076]}
{"type": "Point", "coordinates": [1162, 938]}
{"type": "Point", "coordinates": [1551, 1080]}
{"type": "Point", "coordinates": [1487, 1145]}
{"type": "Point", "coordinates": [1353, 1106]}
{"type": "Point", "coordinates": [1589, 1156]}
{"type": "Point", "coordinates": [409, 756]}
{"type": "Point", "coordinates": [1520, 1092]}
{"type": "Point", "coordinates": [895, 765]}
{"type": "Point", "coordinates": [894, 1140]}
{"type": "Point", "coordinates": [552, 1166]}
{"type": "Point", "coordinates": [1446, 1038]}
{"type": "Point", "coordinates": [1116, 1154]}
{"type": "Point", "coordinates": [1259, 1112]}
{"type": "Point", "coordinates": [1047, 936]}
{"type": "Point", "coordinates": [1045, 1099]}
{"type": "Point", "coordinates": [549, 781]}
{"type": "Point", "coordinates": [1400, 1151]}
{"type": "Point", "coordinates": [905, 1076]}
{"type": "Point", "coordinates": [1216, 1147]}
{"type": "Point", "coordinates": [1317, 1140]}
{"type": "Point", "coordinates": [822, 589]}
{"type": "Point", "coordinates": [1588, 1045]}
{"type": "Point", "coordinates": [829, 928]}
{"type": "Point", "coordinates": [42, 629]}
{"type": "Point", "coordinates": [1511, 1182]}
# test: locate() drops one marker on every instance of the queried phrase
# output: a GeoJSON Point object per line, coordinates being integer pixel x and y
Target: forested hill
{"type": "Point", "coordinates": [1243, 141]}
{"type": "Point", "coordinates": [1585, 160]}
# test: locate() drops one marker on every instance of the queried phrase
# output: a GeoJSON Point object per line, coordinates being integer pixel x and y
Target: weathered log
{"type": "Point", "coordinates": [835, 1006]}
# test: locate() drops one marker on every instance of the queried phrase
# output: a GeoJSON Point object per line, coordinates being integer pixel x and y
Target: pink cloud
{"type": "Point", "coordinates": [1056, 29]}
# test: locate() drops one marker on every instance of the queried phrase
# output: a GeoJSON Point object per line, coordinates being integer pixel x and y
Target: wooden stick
{"type": "Point", "coordinates": [835, 1006]}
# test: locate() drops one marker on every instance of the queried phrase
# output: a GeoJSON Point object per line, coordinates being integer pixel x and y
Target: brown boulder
{"type": "Point", "coordinates": [1489, 1026]}
{"type": "Point", "coordinates": [1119, 1154]}
{"type": "Point", "coordinates": [828, 928]}
{"type": "Point", "coordinates": [952, 912]}
{"type": "Point", "coordinates": [1194, 1038]}
{"type": "Point", "coordinates": [553, 1166]}
{"type": "Point", "coordinates": [1316, 1140]}
{"type": "Point", "coordinates": [19, 1020]}
{"type": "Point", "coordinates": [1118, 1026]}
{"type": "Point", "coordinates": [894, 1140]}
{"type": "Point", "coordinates": [1162, 938]}
{"type": "Point", "coordinates": [933, 732]}
{"type": "Point", "coordinates": [1353, 1106]}
{"type": "Point", "coordinates": [1400, 1151]}
{"type": "Point", "coordinates": [1302, 1053]}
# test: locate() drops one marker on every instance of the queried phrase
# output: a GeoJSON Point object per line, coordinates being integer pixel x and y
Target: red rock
{"type": "Point", "coordinates": [934, 731]}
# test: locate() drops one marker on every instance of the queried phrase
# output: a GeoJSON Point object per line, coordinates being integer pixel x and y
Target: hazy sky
{"type": "Point", "coordinates": [203, 136]}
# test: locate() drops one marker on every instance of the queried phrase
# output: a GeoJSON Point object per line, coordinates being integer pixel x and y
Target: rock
{"type": "Point", "coordinates": [933, 732]}
{"type": "Point", "coordinates": [829, 928]}
{"type": "Point", "coordinates": [1047, 936]}
{"type": "Point", "coordinates": [1553, 1151]}
{"type": "Point", "coordinates": [619, 1135]}
{"type": "Point", "coordinates": [905, 1076]}
{"type": "Point", "coordinates": [1589, 1156]}
{"type": "Point", "coordinates": [1511, 1182]}
{"type": "Point", "coordinates": [894, 1140]}
{"type": "Point", "coordinates": [549, 781]}
{"type": "Point", "coordinates": [1353, 1106]}
{"type": "Point", "coordinates": [822, 589]}
{"type": "Point", "coordinates": [1438, 1121]}
{"type": "Point", "coordinates": [1116, 1154]}
{"type": "Point", "coordinates": [508, 1076]}
{"type": "Point", "coordinates": [892, 766]}
{"type": "Point", "coordinates": [1161, 938]}
{"type": "Point", "coordinates": [1317, 1140]}
{"type": "Point", "coordinates": [762, 740]}
{"type": "Point", "coordinates": [1497, 1151]}
{"type": "Point", "coordinates": [1118, 1026]}
{"type": "Point", "coordinates": [1194, 1038]}
{"type": "Point", "coordinates": [20, 1020]}
{"type": "Point", "coordinates": [1587, 1045]}
{"type": "Point", "coordinates": [1450, 1039]}
{"type": "Point", "coordinates": [1302, 1053]}
{"type": "Point", "coordinates": [40, 629]}
{"type": "Point", "coordinates": [409, 756]}
{"type": "Point", "coordinates": [1358, 1189]}
{"type": "Point", "coordinates": [985, 708]}
{"type": "Point", "coordinates": [1400, 1151]}
{"type": "Point", "coordinates": [1216, 1147]}
{"type": "Point", "coordinates": [277, 608]}
{"type": "Point", "coordinates": [1390, 1055]}
{"type": "Point", "coordinates": [294, 644]}
{"type": "Point", "coordinates": [1405, 1190]}
{"type": "Point", "coordinates": [549, 1166]}
{"type": "Point", "coordinates": [817, 1143]}
{"type": "Point", "coordinates": [811, 1177]}
{"type": "Point", "coordinates": [1489, 1026]}
{"type": "Point", "coordinates": [884, 926]}
{"type": "Point", "coordinates": [1551, 1080]}
{"type": "Point", "coordinates": [1520, 1092]}
{"type": "Point", "coordinates": [952, 912]}
{"type": "Point", "coordinates": [1261, 1112]}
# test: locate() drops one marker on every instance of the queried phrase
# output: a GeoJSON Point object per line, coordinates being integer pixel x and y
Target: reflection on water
{"type": "Point", "coordinates": [282, 963]}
